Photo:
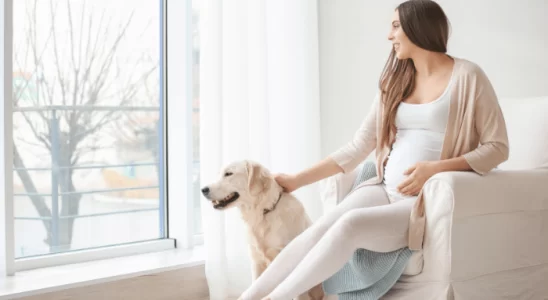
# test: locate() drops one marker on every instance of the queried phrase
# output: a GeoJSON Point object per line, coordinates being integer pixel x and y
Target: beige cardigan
{"type": "Point", "coordinates": [475, 129]}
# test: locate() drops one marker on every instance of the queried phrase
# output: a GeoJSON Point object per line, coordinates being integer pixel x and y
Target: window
{"type": "Point", "coordinates": [87, 124]}
{"type": "Point", "coordinates": [88, 136]}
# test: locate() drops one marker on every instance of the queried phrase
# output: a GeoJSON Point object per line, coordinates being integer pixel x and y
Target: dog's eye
{"type": "Point", "coordinates": [228, 174]}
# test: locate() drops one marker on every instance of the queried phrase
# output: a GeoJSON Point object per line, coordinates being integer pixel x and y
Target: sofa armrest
{"type": "Point", "coordinates": [497, 192]}
{"type": "Point", "coordinates": [477, 225]}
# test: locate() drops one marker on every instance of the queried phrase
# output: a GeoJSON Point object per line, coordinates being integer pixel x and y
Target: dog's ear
{"type": "Point", "coordinates": [258, 178]}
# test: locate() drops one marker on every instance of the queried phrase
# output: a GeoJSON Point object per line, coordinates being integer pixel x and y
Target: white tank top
{"type": "Point", "coordinates": [419, 137]}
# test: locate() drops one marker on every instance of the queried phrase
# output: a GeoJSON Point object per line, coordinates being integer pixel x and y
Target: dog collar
{"type": "Point", "coordinates": [266, 210]}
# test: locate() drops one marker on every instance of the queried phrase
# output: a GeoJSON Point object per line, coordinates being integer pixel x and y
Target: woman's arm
{"type": "Point", "coordinates": [325, 168]}
{"type": "Point", "coordinates": [491, 128]}
{"type": "Point", "coordinates": [452, 164]}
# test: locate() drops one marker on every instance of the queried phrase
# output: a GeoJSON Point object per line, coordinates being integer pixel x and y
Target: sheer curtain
{"type": "Point", "coordinates": [259, 100]}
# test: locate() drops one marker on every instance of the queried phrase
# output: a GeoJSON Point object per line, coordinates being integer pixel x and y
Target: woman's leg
{"type": "Point", "coordinates": [296, 250]}
{"type": "Point", "coordinates": [381, 229]}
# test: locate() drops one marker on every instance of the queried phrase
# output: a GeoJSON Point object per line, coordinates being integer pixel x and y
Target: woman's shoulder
{"type": "Point", "coordinates": [469, 69]}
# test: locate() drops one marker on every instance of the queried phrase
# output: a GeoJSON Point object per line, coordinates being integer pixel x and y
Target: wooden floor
{"type": "Point", "coordinates": [184, 284]}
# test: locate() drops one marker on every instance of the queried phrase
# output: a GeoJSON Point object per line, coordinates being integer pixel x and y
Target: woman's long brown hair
{"type": "Point", "coordinates": [426, 26]}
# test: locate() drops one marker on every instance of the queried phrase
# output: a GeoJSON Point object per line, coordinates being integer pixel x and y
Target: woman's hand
{"type": "Point", "coordinates": [288, 182]}
{"type": "Point", "coordinates": [325, 168]}
{"type": "Point", "coordinates": [417, 177]}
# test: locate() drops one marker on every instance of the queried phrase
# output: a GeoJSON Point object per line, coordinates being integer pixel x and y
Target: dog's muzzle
{"type": "Point", "coordinates": [218, 204]}
{"type": "Point", "coordinates": [222, 203]}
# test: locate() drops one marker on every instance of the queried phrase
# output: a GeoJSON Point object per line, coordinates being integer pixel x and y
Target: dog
{"type": "Point", "coordinates": [273, 217]}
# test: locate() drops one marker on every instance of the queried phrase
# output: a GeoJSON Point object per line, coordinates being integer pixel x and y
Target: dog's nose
{"type": "Point", "coordinates": [205, 191]}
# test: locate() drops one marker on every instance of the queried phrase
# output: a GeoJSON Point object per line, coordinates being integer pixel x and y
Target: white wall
{"type": "Point", "coordinates": [507, 38]}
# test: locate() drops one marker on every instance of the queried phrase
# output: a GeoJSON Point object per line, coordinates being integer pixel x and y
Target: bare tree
{"type": "Point", "coordinates": [76, 64]}
{"type": "Point", "coordinates": [139, 131]}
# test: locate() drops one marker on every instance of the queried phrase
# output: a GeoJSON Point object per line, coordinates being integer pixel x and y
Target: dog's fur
{"type": "Point", "coordinates": [273, 217]}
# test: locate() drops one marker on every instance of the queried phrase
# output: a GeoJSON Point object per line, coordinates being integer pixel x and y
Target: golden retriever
{"type": "Point", "coordinates": [273, 217]}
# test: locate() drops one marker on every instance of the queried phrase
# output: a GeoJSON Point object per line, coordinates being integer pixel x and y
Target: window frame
{"type": "Point", "coordinates": [177, 212]}
{"type": "Point", "coordinates": [7, 238]}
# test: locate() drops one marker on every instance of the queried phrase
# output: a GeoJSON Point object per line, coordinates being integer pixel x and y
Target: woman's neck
{"type": "Point", "coordinates": [430, 63]}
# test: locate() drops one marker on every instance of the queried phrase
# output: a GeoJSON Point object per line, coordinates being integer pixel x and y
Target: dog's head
{"type": "Point", "coordinates": [240, 183]}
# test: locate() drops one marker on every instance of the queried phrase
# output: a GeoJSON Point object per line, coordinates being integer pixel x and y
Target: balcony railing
{"type": "Point", "coordinates": [56, 167]}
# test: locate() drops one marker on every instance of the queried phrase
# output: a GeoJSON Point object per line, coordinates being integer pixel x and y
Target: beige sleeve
{"type": "Point", "coordinates": [363, 143]}
{"type": "Point", "coordinates": [490, 126]}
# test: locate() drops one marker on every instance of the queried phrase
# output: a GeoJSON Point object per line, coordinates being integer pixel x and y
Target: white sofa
{"type": "Point", "coordinates": [486, 236]}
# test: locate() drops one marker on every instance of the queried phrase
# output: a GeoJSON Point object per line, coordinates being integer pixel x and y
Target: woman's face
{"type": "Point", "coordinates": [402, 45]}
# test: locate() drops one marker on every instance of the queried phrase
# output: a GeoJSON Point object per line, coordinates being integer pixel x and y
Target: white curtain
{"type": "Point", "coordinates": [259, 100]}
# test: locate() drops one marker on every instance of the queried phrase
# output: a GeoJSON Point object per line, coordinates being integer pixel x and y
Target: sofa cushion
{"type": "Point", "coordinates": [527, 132]}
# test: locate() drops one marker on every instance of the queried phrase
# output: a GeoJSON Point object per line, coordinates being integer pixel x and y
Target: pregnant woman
{"type": "Point", "coordinates": [433, 113]}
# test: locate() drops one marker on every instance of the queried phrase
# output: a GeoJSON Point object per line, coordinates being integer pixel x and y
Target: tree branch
{"type": "Point", "coordinates": [38, 201]}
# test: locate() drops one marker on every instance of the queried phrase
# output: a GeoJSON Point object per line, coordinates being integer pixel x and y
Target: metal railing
{"type": "Point", "coordinates": [56, 167]}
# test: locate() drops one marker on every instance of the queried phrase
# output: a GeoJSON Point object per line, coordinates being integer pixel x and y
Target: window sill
{"type": "Point", "coordinates": [39, 281]}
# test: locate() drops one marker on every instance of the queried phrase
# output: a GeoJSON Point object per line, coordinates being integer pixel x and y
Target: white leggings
{"type": "Point", "coordinates": [365, 219]}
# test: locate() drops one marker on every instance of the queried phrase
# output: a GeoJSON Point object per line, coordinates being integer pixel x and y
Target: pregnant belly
{"type": "Point", "coordinates": [410, 147]}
